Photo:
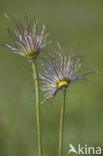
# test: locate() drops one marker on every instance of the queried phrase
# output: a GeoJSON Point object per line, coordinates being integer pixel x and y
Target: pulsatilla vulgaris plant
{"type": "Point", "coordinates": [58, 73]}
{"type": "Point", "coordinates": [28, 43]}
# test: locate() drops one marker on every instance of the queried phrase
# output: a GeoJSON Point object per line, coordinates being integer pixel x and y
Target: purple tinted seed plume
{"type": "Point", "coordinates": [60, 71]}
{"type": "Point", "coordinates": [26, 40]}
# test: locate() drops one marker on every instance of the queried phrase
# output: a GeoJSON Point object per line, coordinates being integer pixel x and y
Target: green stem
{"type": "Point", "coordinates": [62, 122]}
{"type": "Point", "coordinates": [35, 75]}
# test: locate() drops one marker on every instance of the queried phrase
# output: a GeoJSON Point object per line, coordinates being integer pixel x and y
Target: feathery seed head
{"type": "Point", "coordinates": [60, 71]}
{"type": "Point", "coordinates": [26, 40]}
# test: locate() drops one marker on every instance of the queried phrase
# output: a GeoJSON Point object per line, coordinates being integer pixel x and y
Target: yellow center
{"type": "Point", "coordinates": [31, 54]}
{"type": "Point", "coordinates": [63, 83]}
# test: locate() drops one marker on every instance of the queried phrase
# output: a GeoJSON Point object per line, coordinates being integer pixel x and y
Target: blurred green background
{"type": "Point", "coordinates": [69, 22]}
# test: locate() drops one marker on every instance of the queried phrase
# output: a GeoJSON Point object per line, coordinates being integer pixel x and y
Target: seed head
{"type": "Point", "coordinates": [60, 71]}
{"type": "Point", "coordinates": [26, 40]}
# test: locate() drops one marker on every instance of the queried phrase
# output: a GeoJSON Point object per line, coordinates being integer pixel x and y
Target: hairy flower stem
{"type": "Point", "coordinates": [62, 122]}
{"type": "Point", "coordinates": [35, 75]}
